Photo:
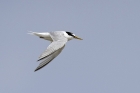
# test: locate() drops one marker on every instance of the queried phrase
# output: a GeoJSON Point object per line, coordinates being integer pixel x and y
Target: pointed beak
{"type": "Point", "coordinates": [76, 37]}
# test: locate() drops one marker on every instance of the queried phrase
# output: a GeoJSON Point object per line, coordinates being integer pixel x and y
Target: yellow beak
{"type": "Point", "coordinates": [76, 37]}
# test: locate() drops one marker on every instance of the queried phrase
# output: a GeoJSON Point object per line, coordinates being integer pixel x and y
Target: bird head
{"type": "Point", "coordinates": [71, 36]}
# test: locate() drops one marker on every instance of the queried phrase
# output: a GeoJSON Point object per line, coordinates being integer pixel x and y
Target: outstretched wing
{"type": "Point", "coordinates": [49, 58]}
{"type": "Point", "coordinates": [58, 42]}
{"type": "Point", "coordinates": [54, 46]}
{"type": "Point", "coordinates": [53, 49]}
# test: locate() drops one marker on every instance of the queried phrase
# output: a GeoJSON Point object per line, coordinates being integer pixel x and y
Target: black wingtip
{"type": "Point", "coordinates": [38, 68]}
{"type": "Point", "coordinates": [35, 70]}
{"type": "Point", "coordinates": [41, 58]}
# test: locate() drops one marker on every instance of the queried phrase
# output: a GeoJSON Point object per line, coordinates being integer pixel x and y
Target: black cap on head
{"type": "Point", "coordinates": [69, 33]}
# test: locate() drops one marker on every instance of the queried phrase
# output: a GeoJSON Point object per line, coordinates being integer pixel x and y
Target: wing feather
{"type": "Point", "coordinates": [49, 58]}
{"type": "Point", "coordinates": [58, 42]}
{"type": "Point", "coordinates": [54, 46]}
{"type": "Point", "coordinates": [54, 49]}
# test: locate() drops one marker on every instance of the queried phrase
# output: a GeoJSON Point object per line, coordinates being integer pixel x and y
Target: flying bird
{"type": "Point", "coordinates": [58, 40]}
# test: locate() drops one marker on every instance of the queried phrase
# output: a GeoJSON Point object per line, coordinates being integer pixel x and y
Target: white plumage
{"type": "Point", "coordinates": [58, 40]}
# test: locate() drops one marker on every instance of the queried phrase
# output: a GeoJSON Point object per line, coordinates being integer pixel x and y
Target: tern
{"type": "Point", "coordinates": [58, 41]}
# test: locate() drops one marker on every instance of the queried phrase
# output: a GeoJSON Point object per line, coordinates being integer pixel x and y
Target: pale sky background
{"type": "Point", "coordinates": [106, 61]}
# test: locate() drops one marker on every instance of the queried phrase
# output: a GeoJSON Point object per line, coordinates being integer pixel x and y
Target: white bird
{"type": "Point", "coordinates": [58, 40]}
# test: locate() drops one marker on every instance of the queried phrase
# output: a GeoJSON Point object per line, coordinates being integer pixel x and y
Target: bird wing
{"type": "Point", "coordinates": [53, 50]}
{"type": "Point", "coordinates": [49, 58]}
{"type": "Point", "coordinates": [53, 47]}
{"type": "Point", "coordinates": [58, 42]}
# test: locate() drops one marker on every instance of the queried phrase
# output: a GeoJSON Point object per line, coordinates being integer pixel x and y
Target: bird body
{"type": "Point", "coordinates": [58, 40]}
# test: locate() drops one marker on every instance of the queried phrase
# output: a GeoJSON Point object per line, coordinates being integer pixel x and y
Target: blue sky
{"type": "Point", "coordinates": [106, 61]}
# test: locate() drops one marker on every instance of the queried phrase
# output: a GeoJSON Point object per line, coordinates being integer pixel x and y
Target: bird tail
{"type": "Point", "coordinates": [41, 35]}
{"type": "Point", "coordinates": [32, 33]}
